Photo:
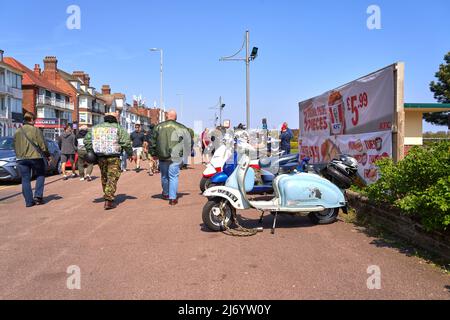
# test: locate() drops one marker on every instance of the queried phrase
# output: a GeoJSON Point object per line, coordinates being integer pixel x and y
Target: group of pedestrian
{"type": "Point", "coordinates": [170, 143]}
{"type": "Point", "coordinates": [71, 145]}
{"type": "Point", "coordinates": [141, 141]}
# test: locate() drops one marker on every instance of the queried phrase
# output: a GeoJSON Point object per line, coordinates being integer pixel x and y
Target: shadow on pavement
{"type": "Point", "coordinates": [121, 198]}
{"type": "Point", "coordinates": [283, 222]}
{"type": "Point", "coordinates": [160, 197]}
{"type": "Point", "coordinates": [52, 197]}
{"type": "Point", "coordinates": [20, 192]}
{"type": "Point", "coordinates": [387, 239]}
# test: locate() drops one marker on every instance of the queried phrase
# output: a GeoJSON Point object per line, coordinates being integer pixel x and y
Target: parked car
{"type": "Point", "coordinates": [8, 162]}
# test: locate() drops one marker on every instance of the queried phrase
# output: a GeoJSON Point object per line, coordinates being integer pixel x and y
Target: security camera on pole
{"type": "Point", "coordinates": [248, 57]}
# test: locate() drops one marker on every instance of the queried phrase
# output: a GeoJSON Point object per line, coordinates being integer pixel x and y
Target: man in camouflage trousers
{"type": "Point", "coordinates": [107, 140]}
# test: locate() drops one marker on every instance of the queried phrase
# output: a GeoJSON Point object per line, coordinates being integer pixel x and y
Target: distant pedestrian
{"type": "Point", "coordinates": [107, 140]}
{"type": "Point", "coordinates": [170, 141]}
{"type": "Point", "coordinates": [82, 152]}
{"type": "Point", "coordinates": [152, 165]}
{"type": "Point", "coordinates": [32, 155]}
{"type": "Point", "coordinates": [68, 145]}
{"type": "Point", "coordinates": [123, 161]}
{"type": "Point", "coordinates": [205, 143]}
{"type": "Point", "coordinates": [286, 137]}
{"type": "Point", "coordinates": [137, 139]}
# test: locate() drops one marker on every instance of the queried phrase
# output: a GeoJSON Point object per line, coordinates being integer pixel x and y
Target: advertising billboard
{"type": "Point", "coordinates": [356, 119]}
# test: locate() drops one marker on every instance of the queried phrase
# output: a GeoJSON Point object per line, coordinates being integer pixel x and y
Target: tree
{"type": "Point", "coordinates": [441, 90]}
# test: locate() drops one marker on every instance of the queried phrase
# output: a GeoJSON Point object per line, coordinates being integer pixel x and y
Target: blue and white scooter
{"type": "Point", "coordinates": [297, 194]}
{"type": "Point", "coordinates": [280, 164]}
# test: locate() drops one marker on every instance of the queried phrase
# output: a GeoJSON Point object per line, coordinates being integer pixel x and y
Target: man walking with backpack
{"type": "Point", "coordinates": [107, 140]}
{"type": "Point", "coordinates": [31, 153]}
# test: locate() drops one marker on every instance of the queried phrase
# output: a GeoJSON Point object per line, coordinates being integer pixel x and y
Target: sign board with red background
{"type": "Point", "coordinates": [355, 119]}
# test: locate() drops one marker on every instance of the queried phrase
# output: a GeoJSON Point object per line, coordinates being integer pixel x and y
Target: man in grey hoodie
{"type": "Point", "coordinates": [68, 145]}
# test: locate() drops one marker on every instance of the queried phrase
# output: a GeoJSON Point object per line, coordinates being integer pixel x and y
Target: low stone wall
{"type": "Point", "coordinates": [393, 220]}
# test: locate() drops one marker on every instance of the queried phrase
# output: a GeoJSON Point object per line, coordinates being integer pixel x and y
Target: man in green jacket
{"type": "Point", "coordinates": [31, 153]}
{"type": "Point", "coordinates": [170, 142]}
{"type": "Point", "coordinates": [107, 140]}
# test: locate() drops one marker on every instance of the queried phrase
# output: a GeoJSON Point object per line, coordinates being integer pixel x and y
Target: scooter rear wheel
{"type": "Point", "coordinates": [212, 214]}
{"type": "Point", "coordinates": [327, 216]}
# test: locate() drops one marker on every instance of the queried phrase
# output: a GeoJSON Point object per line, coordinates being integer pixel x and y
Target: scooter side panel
{"type": "Point", "coordinates": [249, 180]}
{"type": "Point", "coordinates": [309, 190]}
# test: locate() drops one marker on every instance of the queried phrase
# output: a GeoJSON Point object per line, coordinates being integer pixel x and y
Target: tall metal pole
{"type": "Point", "coordinates": [162, 108]}
{"type": "Point", "coordinates": [162, 92]}
{"type": "Point", "coordinates": [247, 61]}
{"type": "Point", "coordinates": [220, 106]}
{"type": "Point", "coordinates": [181, 105]}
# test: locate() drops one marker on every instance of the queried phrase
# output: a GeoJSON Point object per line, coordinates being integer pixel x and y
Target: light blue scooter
{"type": "Point", "coordinates": [298, 194]}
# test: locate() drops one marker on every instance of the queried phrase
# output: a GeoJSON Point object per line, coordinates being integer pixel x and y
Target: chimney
{"type": "Point", "coordinates": [87, 80]}
{"type": "Point", "coordinates": [50, 68]}
{"type": "Point", "coordinates": [106, 89]}
{"type": "Point", "coordinates": [37, 69]}
{"type": "Point", "coordinates": [50, 64]}
{"type": "Point", "coordinates": [83, 77]}
{"type": "Point", "coordinates": [1, 55]}
{"type": "Point", "coordinates": [135, 104]}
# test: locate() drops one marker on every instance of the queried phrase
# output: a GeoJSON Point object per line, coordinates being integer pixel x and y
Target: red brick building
{"type": "Point", "coordinates": [51, 104]}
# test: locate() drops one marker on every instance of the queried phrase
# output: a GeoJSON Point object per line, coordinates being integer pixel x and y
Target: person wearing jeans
{"type": "Point", "coordinates": [170, 171]}
{"type": "Point", "coordinates": [31, 150]}
{"type": "Point", "coordinates": [26, 167]}
{"type": "Point", "coordinates": [171, 141]}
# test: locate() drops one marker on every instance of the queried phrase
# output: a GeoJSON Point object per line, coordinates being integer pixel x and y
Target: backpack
{"type": "Point", "coordinates": [105, 140]}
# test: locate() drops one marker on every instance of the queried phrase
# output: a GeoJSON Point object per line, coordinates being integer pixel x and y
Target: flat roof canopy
{"type": "Point", "coordinates": [427, 107]}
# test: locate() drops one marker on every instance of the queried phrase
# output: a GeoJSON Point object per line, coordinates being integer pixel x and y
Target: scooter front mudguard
{"type": "Point", "coordinates": [232, 195]}
{"type": "Point", "coordinates": [219, 178]}
{"type": "Point", "coordinates": [209, 171]}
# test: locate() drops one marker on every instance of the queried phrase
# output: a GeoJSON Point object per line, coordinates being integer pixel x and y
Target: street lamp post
{"type": "Point", "coordinates": [161, 98]}
{"type": "Point", "coordinates": [248, 57]}
{"type": "Point", "coordinates": [181, 95]}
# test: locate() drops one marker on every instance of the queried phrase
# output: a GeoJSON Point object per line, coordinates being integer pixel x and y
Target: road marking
{"type": "Point", "coordinates": [6, 187]}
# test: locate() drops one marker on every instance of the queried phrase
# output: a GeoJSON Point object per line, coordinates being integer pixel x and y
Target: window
{"type": "Point", "coordinates": [83, 117]}
{"type": "Point", "coordinates": [46, 113]}
{"type": "Point", "coordinates": [48, 94]}
{"type": "Point", "coordinates": [16, 105]}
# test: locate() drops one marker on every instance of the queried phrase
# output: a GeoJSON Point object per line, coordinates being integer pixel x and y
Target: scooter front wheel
{"type": "Point", "coordinates": [215, 212]}
{"type": "Point", "coordinates": [327, 216]}
{"type": "Point", "coordinates": [203, 183]}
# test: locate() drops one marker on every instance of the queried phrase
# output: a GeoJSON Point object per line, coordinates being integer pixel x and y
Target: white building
{"type": "Point", "coordinates": [11, 115]}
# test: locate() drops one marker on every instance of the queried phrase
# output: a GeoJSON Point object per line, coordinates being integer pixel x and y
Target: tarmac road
{"type": "Point", "coordinates": [147, 250]}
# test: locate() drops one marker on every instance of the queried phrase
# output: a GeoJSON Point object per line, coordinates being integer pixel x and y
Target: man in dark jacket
{"type": "Point", "coordinates": [68, 144]}
{"type": "Point", "coordinates": [82, 164]}
{"type": "Point", "coordinates": [286, 137]}
{"type": "Point", "coordinates": [170, 141]}
{"type": "Point", "coordinates": [107, 140]}
{"type": "Point", "coordinates": [31, 153]}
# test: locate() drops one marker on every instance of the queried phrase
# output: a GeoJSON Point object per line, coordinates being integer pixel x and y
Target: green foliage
{"type": "Point", "coordinates": [441, 90]}
{"type": "Point", "coordinates": [419, 185]}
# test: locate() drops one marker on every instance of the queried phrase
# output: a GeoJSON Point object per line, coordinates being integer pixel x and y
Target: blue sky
{"type": "Point", "coordinates": [305, 48]}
